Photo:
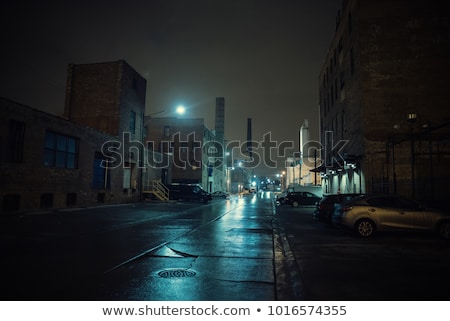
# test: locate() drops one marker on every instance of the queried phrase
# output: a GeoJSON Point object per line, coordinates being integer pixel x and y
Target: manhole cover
{"type": "Point", "coordinates": [176, 273]}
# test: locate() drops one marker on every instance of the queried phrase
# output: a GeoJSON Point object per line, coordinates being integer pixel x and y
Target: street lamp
{"type": "Point", "coordinates": [180, 110]}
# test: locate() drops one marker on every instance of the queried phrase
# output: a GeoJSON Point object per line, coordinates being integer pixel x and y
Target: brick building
{"type": "Point", "coordinates": [110, 97]}
{"type": "Point", "coordinates": [91, 155]}
{"type": "Point", "coordinates": [384, 99]}
{"type": "Point", "coordinates": [191, 146]}
{"type": "Point", "coordinates": [48, 162]}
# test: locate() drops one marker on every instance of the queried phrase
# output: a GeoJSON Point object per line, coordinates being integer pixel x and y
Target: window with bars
{"type": "Point", "coordinates": [60, 150]}
{"type": "Point", "coordinates": [16, 141]}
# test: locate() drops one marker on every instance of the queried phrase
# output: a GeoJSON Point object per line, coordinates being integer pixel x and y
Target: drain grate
{"type": "Point", "coordinates": [176, 273]}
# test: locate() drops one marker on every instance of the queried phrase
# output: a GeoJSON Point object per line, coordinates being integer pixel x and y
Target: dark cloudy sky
{"type": "Point", "coordinates": [263, 56]}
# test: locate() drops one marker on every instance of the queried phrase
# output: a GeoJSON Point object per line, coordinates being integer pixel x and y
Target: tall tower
{"type": "Point", "coordinates": [220, 120]}
{"type": "Point", "coordinates": [249, 137]}
{"type": "Point", "coordinates": [110, 97]}
{"type": "Point", "coordinates": [304, 139]}
{"type": "Point", "coordinates": [107, 96]}
{"type": "Point", "coordinates": [220, 132]}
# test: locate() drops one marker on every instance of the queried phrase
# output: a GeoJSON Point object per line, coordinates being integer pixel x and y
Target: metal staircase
{"type": "Point", "coordinates": [157, 188]}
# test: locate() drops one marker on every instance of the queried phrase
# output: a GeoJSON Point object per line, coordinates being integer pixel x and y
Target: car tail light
{"type": "Point", "coordinates": [346, 208]}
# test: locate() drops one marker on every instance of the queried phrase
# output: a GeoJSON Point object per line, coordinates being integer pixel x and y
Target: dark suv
{"type": "Point", "coordinates": [187, 192]}
{"type": "Point", "coordinates": [325, 207]}
{"type": "Point", "coordinates": [301, 198]}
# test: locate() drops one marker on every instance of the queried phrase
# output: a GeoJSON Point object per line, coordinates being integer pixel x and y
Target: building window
{"type": "Point", "coordinates": [71, 199]}
{"type": "Point", "coordinates": [340, 45]}
{"type": "Point", "coordinates": [16, 141]}
{"type": "Point", "coordinates": [166, 131]}
{"type": "Point", "coordinates": [335, 89]}
{"type": "Point", "coordinates": [184, 147]}
{"type": "Point", "coordinates": [11, 203]}
{"type": "Point", "coordinates": [60, 151]}
{"type": "Point", "coordinates": [46, 200]}
{"type": "Point", "coordinates": [101, 197]}
{"type": "Point", "coordinates": [193, 145]}
{"type": "Point", "coordinates": [332, 95]}
{"type": "Point", "coordinates": [342, 80]}
{"type": "Point", "coordinates": [101, 177]}
{"type": "Point", "coordinates": [132, 122]}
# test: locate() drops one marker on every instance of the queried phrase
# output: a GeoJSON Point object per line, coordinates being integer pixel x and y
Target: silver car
{"type": "Point", "coordinates": [371, 213]}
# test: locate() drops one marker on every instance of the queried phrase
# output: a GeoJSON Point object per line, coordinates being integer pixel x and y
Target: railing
{"type": "Point", "coordinates": [157, 188]}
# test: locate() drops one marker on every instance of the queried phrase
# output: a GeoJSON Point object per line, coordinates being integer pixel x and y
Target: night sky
{"type": "Point", "coordinates": [263, 56]}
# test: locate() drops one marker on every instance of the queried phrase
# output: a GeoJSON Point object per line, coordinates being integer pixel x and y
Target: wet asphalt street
{"type": "Point", "coordinates": [222, 250]}
{"type": "Point", "coordinates": [241, 248]}
{"type": "Point", "coordinates": [335, 264]}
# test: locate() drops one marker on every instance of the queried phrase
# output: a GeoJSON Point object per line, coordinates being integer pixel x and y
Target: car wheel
{"type": "Point", "coordinates": [295, 204]}
{"type": "Point", "coordinates": [444, 230]}
{"type": "Point", "coordinates": [365, 228]}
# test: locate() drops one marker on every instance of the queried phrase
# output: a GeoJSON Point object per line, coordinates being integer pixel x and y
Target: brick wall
{"type": "Point", "coordinates": [37, 186]}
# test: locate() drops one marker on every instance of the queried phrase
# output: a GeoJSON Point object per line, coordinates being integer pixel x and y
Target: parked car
{"type": "Point", "coordinates": [372, 213]}
{"type": "Point", "coordinates": [188, 192]}
{"type": "Point", "coordinates": [220, 194]}
{"type": "Point", "coordinates": [280, 198]}
{"type": "Point", "coordinates": [301, 198]}
{"type": "Point", "coordinates": [325, 207]}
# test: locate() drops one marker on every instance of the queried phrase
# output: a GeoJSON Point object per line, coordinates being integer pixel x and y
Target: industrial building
{"type": "Point", "coordinates": [383, 96]}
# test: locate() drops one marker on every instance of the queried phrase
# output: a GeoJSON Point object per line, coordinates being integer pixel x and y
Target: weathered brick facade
{"type": "Point", "coordinates": [29, 183]}
{"type": "Point", "coordinates": [386, 65]}
{"type": "Point", "coordinates": [188, 141]}
{"type": "Point", "coordinates": [50, 162]}
{"type": "Point", "coordinates": [110, 97]}
{"type": "Point", "coordinates": [102, 96]}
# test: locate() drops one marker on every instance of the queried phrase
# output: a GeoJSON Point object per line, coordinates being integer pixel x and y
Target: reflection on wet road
{"type": "Point", "coordinates": [147, 251]}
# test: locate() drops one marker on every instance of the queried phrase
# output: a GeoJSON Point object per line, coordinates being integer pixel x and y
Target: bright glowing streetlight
{"type": "Point", "coordinates": [180, 110]}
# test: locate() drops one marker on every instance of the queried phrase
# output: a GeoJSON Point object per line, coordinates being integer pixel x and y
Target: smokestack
{"type": "Point", "coordinates": [304, 139]}
{"type": "Point", "coordinates": [220, 119]}
{"type": "Point", "coordinates": [220, 126]}
{"type": "Point", "coordinates": [249, 137]}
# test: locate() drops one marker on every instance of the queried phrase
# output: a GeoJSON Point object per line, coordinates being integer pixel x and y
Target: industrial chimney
{"type": "Point", "coordinates": [249, 137]}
